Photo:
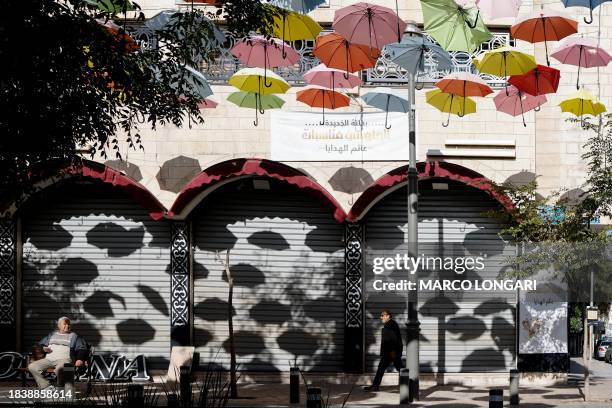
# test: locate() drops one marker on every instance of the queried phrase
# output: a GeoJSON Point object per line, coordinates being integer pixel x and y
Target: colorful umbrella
{"type": "Point", "coordinates": [318, 97]}
{"type": "Point", "coordinates": [410, 54]}
{"type": "Point", "coordinates": [291, 26]}
{"type": "Point", "coordinates": [300, 6]}
{"type": "Point", "coordinates": [336, 52]}
{"type": "Point", "coordinates": [504, 61]}
{"type": "Point", "coordinates": [331, 78]}
{"type": "Point", "coordinates": [166, 20]}
{"type": "Point", "coordinates": [581, 52]}
{"type": "Point", "coordinates": [256, 101]}
{"type": "Point", "coordinates": [368, 24]}
{"type": "Point", "coordinates": [387, 99]}
{"type": "Point", "coordinates": [207, 104]}
{"type": "Point", "coordinates": [590, 4]}
{"type": "Point", "coordinates": [196, 82]}
{"type": "Point", "coordinates": [464, 84]}
{"type": "Point", "coordinates": [251, 80]}
{"type": "Point", "coordinates": [455, 28]}
{"type": "Point", "coordinates": [257, 51]}
{"type": "Point", "coordinates": [515, 102]}
{"type": "Point", "coordinates": [540, 80]}
{"type": "Point", "coordinates": [581, 103]}
{"type": "Point", "coordinates": [499, 8]}
{"type": "Point", "coordinates": [450, 103]}
{"type": "Point", "coordinates": [544, 25]}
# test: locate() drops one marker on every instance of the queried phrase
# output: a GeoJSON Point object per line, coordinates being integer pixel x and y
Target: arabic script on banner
{"type": "Point", "coordinates": [302, 136]}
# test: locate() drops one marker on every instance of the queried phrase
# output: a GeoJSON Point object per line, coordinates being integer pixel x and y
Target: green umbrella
{"type": "Point", "coordinates": [256, 101]}
{"type": "Point", "coordinates": [455, 28]}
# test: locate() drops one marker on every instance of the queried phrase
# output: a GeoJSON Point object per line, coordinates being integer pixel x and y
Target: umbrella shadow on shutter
{"type": "Point", "coordinates": [116, 239]}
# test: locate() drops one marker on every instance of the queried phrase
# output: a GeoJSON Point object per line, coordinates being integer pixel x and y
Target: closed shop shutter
{"type": "Point", "coordinates": [287, 260]}
{"type": "Point", "coordinates": [471, 331]}
{"type": "Point", "coordinates": [92, 254]}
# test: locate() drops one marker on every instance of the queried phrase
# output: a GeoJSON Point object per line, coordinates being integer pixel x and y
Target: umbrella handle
{"type": "Point", "coordinates": [284, 53]}
{"type": "Point", "coordinates": [445, 124]}
{"type": "Point", "coordinates": [545, 43]}
{"type": "Point", "coordinates": [417, 87]}
{"type": "Point", "coordinates": [323, 120]}
{"type": "Point", "coordinates": [579, 58]}
{"type": "Point", "coordinates": [590, 20]}
{"type": "Point", "coordinates": [256, 121]}
{"type": "Point", "coordinates": [522, 110]}
{"type": "Point", "coordinates": [346, 74]}
{"type": "Point", "coordinates": [265, 71]}
{"type": "Point", "coordinates": [473, 25]}
{"type": "Point", "coordinates": [537, 108]}
{"type": "Point", "coordinates": [387, 114]}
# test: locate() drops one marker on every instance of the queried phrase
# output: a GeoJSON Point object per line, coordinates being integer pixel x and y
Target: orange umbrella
{"type": "Point", "coordinates": [544, 25]}
{"type": "Point", "coordinates": [336, 52]}
{"type": "Point", "coordinates": [319, 97]}
{"type": "Point", "coordinates": [464, 84]}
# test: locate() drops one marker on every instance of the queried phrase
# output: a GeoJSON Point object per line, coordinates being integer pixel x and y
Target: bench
{"type": "Point", "coordinates": [37, 353]}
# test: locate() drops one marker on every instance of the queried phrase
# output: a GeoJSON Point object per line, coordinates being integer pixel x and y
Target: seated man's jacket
{"type": "Point", "coordinates": [78, 346]}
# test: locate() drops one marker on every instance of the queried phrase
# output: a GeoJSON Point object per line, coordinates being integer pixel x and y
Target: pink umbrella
{"type": "Point", "coordinates": [331, 78]}
{"type": "Point", "coordinates": [499, 8]}
{"type": "Point", "coordinates": [515, 102]}
{"type": "Point", "coordinates": [207, 104]}
{"type": "Point", "coordinates": [257, 51]}
{"type": "Point", "coordinates": [581, 52]}
{"type": "Point", "coordinates": [369, 24]}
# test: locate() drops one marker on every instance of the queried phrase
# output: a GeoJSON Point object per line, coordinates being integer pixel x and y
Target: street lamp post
{"type": "Point", "coordinates": [413, 325]}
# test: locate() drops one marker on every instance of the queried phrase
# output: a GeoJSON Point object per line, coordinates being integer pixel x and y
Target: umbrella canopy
{"type": "Point", "coordinates": [387, 99]}
{"type": "Point", "coordinates": [318, 97]}
{"type": "Point", "coordinates": [255, 101]}
{"type": "Point", "coordinates": [331, 78]}
{"type": "Point", "coordinates": [196, 83]}
{"type": "Point", "coordinates": [257, 51]}
{"type": "Point", "coordinates": [590, 4]}
{"type": "Point", "coordinates": [368, 24]}
{"type": "Point", "coordinates": [450, 103]}
{"type": "Point", "coordinates": [499, 8]}
{"type": "Point", "coordinates": [515, 102]}
{"type": "Point", "coordinates": [336, 52]}
{"type": "Point", "coordinates": [581, 52]}
{"type": "Point", "coordinates": [411, 51]}
{"type": "Point", "coordinates": [251, 80]}
{"type": "Point", "coordinates": [544, 25]}
{"type": "Point", "coordinates": [464, 84]}
{"type": "Point", "coordinates": [207, 104]}
{"type": "Point", "coordinates": [120, 34]}
{"type": "Point", "coordinates": [291, 26]}
{"type": "Point", "coordinates": [540, 80]}
{"type": "Point", "coordinates": [300, 6]}
{"type": "Point", "coordinates": [581, 103]}
{"type": "Point", "coordinates": [504, 61]}
{"type": "Point", "coordinates": [455, 28]}
{"type": "Point", "coordinates": [167, 18]}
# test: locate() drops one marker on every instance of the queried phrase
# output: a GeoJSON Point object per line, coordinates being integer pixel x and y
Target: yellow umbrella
{"type": "Point", "coordinates": [450, 103]}
{"type": "Point", "coordinates": [504, 61]}
{"type": "Point", "coordinates": [581, 103]}
{"type": "Point", "coordinates": [291, 26]}
{"type": "Point", "coordinates": [252, 80]}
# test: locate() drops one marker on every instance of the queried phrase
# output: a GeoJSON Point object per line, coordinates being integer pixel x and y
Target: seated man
{"type": "Point", "coordinates": [62, 347]}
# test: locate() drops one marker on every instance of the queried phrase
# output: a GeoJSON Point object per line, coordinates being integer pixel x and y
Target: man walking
{"type": "Point", "coordinates": [62, 347]}
{"type": "Point", "coordinates": [391, 347]}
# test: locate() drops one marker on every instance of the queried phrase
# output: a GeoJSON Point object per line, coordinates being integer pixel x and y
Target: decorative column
{"type": "Point", "coordinates": [8, 295]}
{"type": "Point", "coordinates": [179, 285]}
{"type": "Point", "coordinates": [353, 327]}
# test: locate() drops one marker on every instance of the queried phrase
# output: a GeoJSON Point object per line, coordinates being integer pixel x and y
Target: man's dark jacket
{"type": "Point", "coordinates": [78, 346]}
{"type": "Point", "coordinates": [391, 339]}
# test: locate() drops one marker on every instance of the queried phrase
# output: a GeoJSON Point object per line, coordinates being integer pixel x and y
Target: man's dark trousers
{"type": "Point", "coordinates": [382, 367]}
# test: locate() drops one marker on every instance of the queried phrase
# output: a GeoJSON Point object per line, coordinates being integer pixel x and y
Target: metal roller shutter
{"type": "Point", "coordinates": [287, 260]}
{"type": "Point", "coordinates": [463, 331]}
{"type": "Point", "coordinates": [92, 254]}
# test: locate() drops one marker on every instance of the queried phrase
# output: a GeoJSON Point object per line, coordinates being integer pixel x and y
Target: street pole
{"type": "Point", "coordinates": [413, 325]}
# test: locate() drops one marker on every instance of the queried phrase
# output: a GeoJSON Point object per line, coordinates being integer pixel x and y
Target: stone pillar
{"type": "Point", "coordinates": [180, 322]}
{"type": "Point", "coordinates": [8, 294]}
{"type": "Point", "coordinates": [353, 326]}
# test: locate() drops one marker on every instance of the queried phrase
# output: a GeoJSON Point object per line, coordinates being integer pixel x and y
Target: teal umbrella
{"type": "Point", "coordinates": [387, 99]}
{"type": "Point", "coordinates": [454, 27]}
{"type": "Point", "coordinates": [256, 101]}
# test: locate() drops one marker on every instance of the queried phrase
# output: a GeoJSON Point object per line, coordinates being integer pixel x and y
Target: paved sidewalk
{"type": "Point", "coordinates": [570, 396]}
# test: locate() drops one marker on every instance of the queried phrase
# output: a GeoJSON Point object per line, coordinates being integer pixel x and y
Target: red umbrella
{"type": "Point", "coordinates": [318, 97]}
{"type": "Point", "coordinates": [464, 84]}
{"type": "Point", "coordinates": [544, 25]}
{"type": "Point", "coordinates": [539, 81]}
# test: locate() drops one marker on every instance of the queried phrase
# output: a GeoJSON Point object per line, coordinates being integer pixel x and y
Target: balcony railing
{"type": "Point", "coordinates": [219, 68]}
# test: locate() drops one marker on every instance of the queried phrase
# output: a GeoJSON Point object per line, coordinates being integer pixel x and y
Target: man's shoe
{"type": "Point", "coordinates": [371, 388]}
